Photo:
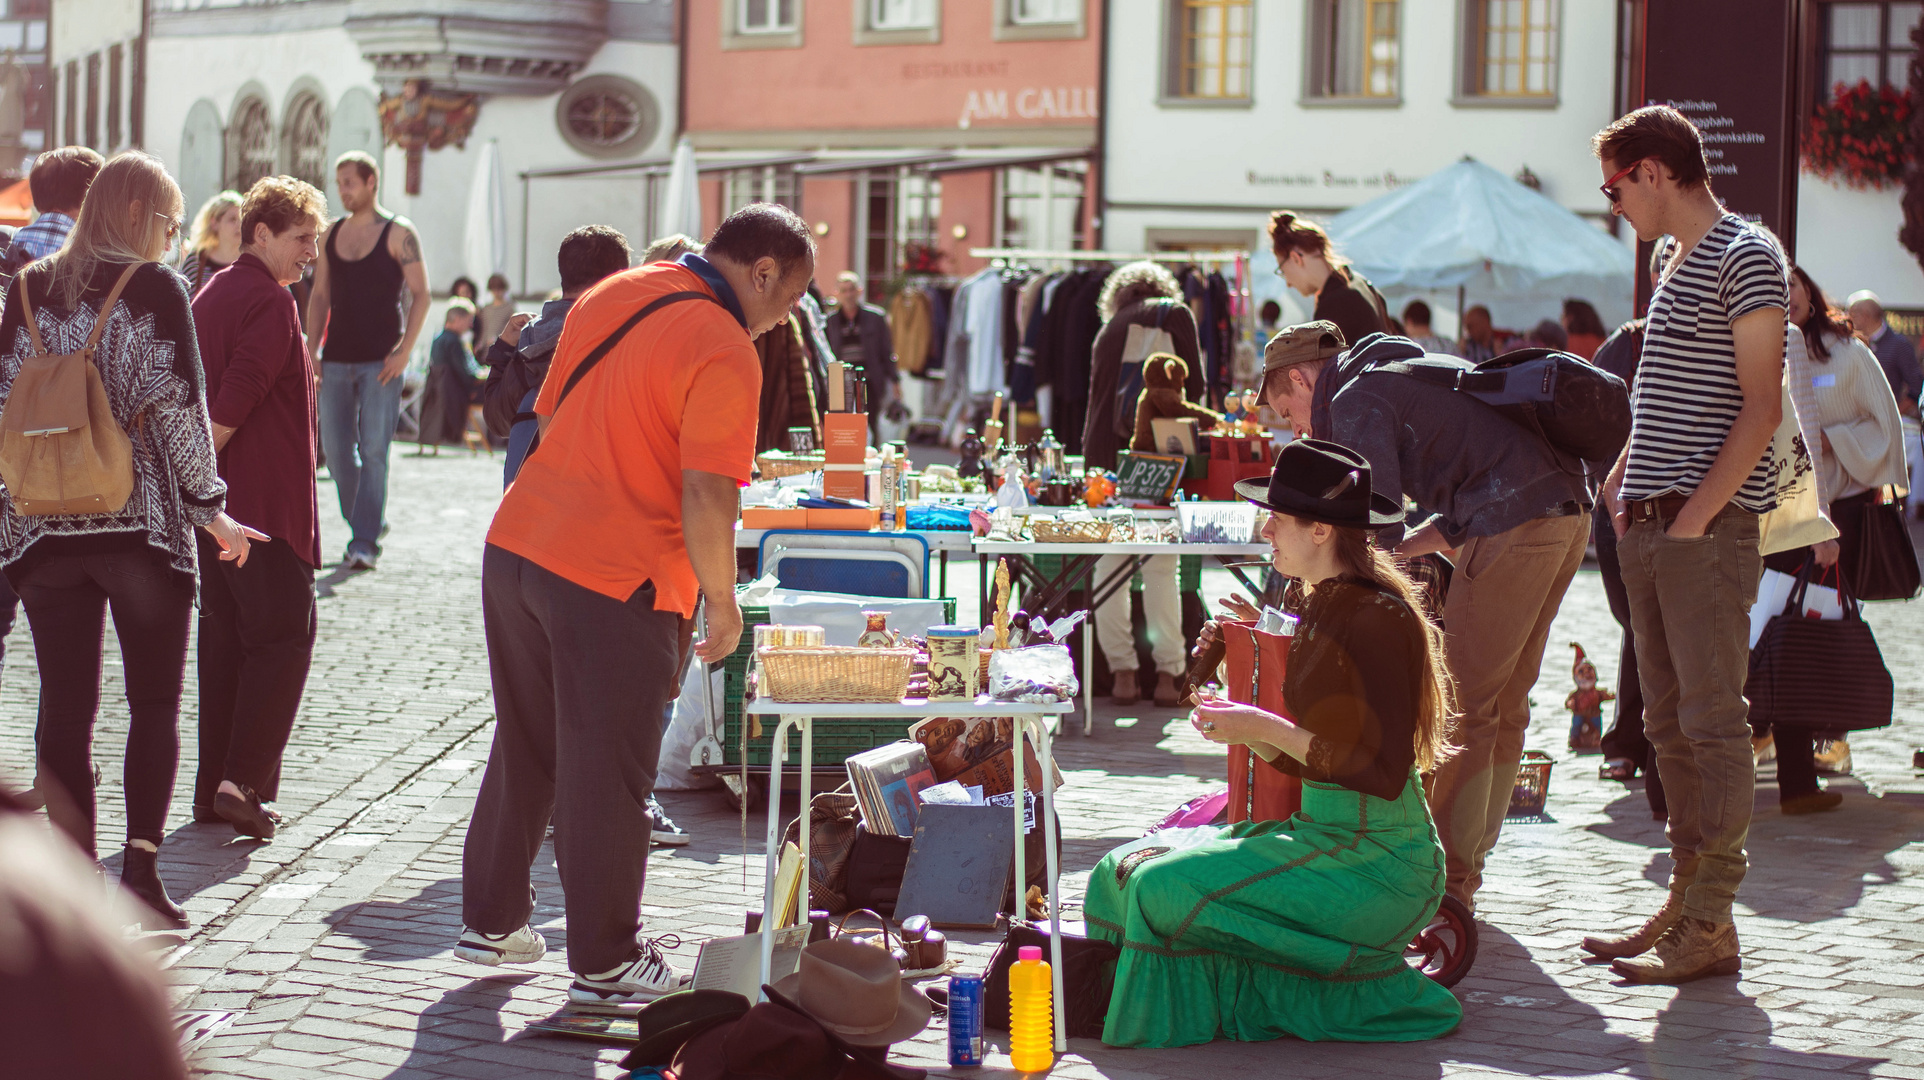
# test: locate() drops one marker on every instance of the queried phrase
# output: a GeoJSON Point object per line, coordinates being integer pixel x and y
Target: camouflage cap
{"type": "Point", "coordinates": [1302, 344]}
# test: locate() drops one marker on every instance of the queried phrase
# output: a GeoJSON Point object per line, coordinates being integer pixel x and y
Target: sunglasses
{"type": "Point", "coordinates": [174, 225]}
{"type": "Point", "coordinates": [1609, 187]}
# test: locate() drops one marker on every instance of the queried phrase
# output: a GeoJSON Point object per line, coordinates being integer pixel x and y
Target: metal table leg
{"type": "Point", "coordinates": [777, 751]}
{"type": "Point", "coordinates": [1038, 725]}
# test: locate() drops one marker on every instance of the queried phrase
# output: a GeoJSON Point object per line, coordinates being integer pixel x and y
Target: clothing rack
{"type": "Point", "coordinates": [1043, 255]}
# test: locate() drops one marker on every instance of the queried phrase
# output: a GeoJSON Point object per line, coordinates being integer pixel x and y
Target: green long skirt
{"type": "Point", "coordinates": [1269, 928]}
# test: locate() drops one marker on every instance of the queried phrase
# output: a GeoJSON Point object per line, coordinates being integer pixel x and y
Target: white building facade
{"type": "Point", "coordinates": [239, 89]}
{"type": "Point", "coordinates": [1220, 111]}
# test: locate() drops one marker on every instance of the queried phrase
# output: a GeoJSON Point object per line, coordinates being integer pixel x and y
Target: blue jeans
{"type": "Point", "coordinates": [358, 414]}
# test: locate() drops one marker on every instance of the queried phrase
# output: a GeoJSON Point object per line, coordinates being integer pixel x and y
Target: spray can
{"type": "Point", "coordinates": [891, 489]}
{"type": "Point", "coordinates": [965, 1021]}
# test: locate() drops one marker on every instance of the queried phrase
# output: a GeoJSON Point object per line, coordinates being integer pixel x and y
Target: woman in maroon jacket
{"type": "Point", "coordinates": [257, 621]}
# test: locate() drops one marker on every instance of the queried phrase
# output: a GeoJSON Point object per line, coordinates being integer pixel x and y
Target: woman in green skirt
{"type": "Point", "coordinates": [1269, 928]}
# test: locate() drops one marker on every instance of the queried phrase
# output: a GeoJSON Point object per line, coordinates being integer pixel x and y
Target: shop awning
{"type": "Point", "coordinates": [963, 163]}
{"type": "Point", "coordinates": [830, 163]}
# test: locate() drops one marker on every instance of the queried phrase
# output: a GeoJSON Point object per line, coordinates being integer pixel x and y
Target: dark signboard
{"type": "Point", "coordinates": [1731, 67]}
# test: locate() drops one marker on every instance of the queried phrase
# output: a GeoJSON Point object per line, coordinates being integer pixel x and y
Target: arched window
{"type": "Point", "coordinates": [305, 132]}
{"type": "Point", "coordinates": [250, 145]}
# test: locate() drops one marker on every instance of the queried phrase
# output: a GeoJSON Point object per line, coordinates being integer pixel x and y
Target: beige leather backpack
{"type": "Point", "coordinates": [61, 450]}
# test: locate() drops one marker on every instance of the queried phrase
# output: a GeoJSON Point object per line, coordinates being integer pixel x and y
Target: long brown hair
{"type": "Point", "coordinates": [106, 233]}
{"type": "Point", "coordinates": [1825, 320]}
{"type": "Point", "coordinates": [1357, 553]}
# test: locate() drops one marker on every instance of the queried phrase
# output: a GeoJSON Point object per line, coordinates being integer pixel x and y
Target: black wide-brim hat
{"type": "Point", "coordinates": [1322, 481]}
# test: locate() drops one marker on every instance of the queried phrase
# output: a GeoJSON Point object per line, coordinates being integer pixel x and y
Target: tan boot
{"type": "Point", "coordinates": [1643, 937]}
{"type": "Point", "coordinates": [1167, 696]}
{"type": "Point", "coordinates": [1692, 949]}
{"type": "Point", "coordinates": [1123, 691]}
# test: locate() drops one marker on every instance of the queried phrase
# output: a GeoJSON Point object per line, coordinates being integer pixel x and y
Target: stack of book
{"type": "Point", "coordinates": [887, 781]}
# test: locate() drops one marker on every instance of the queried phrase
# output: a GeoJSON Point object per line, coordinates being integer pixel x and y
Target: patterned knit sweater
{"type": "Point", "coordinates": [150, 363]}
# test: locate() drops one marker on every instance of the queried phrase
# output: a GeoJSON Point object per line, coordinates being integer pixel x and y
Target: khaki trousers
{"type": "Point", "coordinates": [1505, 592]}
{"type": "Point", "coordinates": [1690, 606]}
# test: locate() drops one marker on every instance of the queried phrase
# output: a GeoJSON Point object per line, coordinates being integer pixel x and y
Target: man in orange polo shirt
{"type": "Point", "coordinates": [614, 528]}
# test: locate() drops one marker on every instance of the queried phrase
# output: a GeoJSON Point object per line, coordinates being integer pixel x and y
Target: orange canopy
{"type": "Point", "coordinates": [16, 204]}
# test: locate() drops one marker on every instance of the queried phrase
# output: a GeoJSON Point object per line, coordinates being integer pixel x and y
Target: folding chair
{"type": "Point", "coordinates": [862, 564]}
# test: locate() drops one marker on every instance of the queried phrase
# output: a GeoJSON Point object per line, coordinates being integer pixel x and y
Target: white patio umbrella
{"type": "Point", "coordinates": [485, 243]}
{"type": "Point", "coordinates": [680, 210]}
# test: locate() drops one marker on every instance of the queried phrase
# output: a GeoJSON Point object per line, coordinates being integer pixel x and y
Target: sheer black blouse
{"type": "Point", "coordinates": [1354, 682]}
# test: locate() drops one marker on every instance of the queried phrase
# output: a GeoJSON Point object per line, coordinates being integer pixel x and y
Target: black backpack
{"type": "Point", "coordinates": [1576, 407]}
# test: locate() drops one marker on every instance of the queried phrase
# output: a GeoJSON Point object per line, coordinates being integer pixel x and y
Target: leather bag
{"type": "Point", "coordinates": [62, 453]}
{"type": "Point", "coordinates": [1826, 674]}
{"type": "Point", "coordinates": [1254, 664]}
{"type": "Point", "coordinates": [1088, 978]}
{"type": "Point", "coordinates": [1884, 565]}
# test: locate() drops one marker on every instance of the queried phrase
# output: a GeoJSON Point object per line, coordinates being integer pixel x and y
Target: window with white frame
{"type": "Point", "coordinates": [1042, 206]}
{"type": "Point", "coordinates": [765, 17]}
{"type": "Point", "coordinates": [1864, 42]}
{"type": "Point", "coordinates": [1354, 49]}
{"type": "Point", "coordinates": [1510, 49]}
{"type": "Point", "coordinates": [1044, 12]}
{"type": "Point", "coordinates": [769, 183]}
{"type": "Point", "coordinates": [901, 14]}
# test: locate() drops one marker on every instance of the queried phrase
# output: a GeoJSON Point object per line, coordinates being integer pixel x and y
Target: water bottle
{"type": "Point", "coordinates": [1031, 1021]}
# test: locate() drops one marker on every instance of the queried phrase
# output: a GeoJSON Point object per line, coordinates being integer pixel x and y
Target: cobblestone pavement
{"type": "Point", "coordinates": [333, 941]}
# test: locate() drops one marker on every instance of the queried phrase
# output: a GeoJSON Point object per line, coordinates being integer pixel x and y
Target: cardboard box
{"type": "Point", "coordinates": [769, 517]}
{"type": "Point", "coordinates": [845, 438]}
{"type": "Point", "coordinates": [846, 520]}
{"type": "Point", "coordinates": [845, 483]}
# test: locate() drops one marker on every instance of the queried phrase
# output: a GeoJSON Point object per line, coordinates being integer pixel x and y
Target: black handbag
{"type": "Point", "coordinates": [1825, 674]}
{"type": "Point", "coordinates": [1884, 564]}
{"type": "Point", "coordinates": [1088, 978]}
{"type": "Point", "coordinates": [874, 875]}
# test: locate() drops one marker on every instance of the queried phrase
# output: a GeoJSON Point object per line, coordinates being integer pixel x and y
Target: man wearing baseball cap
{"type": "Point", "coordinates": [1498, 497]}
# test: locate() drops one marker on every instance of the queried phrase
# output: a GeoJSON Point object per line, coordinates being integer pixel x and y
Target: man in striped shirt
{"type": "Point", "coordinates": [1685, 499]}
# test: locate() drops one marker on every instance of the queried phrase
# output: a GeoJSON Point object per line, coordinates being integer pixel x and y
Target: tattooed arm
{"type": "Point", "coordinates": [405, 246]}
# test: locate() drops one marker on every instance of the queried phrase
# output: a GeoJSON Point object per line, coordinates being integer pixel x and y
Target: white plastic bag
{"type": "Point", "coordinates": [1773, 592]}
{"type": "Point", "coordinates": [1039, 673]}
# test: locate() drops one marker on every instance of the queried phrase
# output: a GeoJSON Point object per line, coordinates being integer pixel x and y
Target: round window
{"type": "Point", "coordinates": [608, 116]}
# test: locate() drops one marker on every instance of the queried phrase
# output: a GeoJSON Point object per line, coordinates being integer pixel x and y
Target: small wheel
{"type": "Point", "coordinates": [1446, 948]}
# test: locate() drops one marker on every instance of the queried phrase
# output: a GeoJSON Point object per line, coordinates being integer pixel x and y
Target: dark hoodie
{"type": "Point", "coordinates": [1460, 460]}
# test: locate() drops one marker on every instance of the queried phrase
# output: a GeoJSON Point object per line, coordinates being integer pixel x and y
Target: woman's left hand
{"type": "Point", "coordinates": [1229, 722]}
{"type": "Point", "coordinates": [233, 538]}
{"type": "Point", "coordinates": [1825, 553]}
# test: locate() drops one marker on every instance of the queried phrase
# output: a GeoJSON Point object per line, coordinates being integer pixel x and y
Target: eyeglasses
{"type": "Point", "coordinates": [1609, 187]}
{"type": "Point", "coordinates": [174, 225]}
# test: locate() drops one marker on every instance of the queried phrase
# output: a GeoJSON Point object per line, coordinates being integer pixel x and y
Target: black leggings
{"type": "Point", "coordinates": [67, 598]}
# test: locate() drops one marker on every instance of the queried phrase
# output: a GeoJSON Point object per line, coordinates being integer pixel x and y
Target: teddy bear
{"type": "Point", "coordinates": [1163, 375]}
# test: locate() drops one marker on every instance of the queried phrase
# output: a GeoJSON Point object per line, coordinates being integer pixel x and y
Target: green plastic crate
{"type": "Point", "coordinates": [836, 738]}
{"type": "Point", "coordinates": [1189, 570]}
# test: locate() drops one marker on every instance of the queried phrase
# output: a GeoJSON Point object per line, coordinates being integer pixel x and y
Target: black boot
{"type": "Point", "coordinates": [247, 814]}
{"type": "Point", "coordinates": [140, 875]}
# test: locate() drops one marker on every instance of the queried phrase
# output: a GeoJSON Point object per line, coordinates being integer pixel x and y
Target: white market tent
{"type": "Point", "coordinates": [1503, 245]}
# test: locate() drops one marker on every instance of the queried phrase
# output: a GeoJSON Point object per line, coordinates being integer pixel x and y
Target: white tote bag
{"type": "Point", "coordinates": [1799, 519]}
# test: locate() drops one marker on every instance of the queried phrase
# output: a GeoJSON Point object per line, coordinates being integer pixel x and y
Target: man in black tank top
{"type": "Point", "coordinates": [371, 258]}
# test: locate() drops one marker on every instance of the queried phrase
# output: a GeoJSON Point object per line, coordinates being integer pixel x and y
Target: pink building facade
{"type": "Point", "coordinates": [907, 132]}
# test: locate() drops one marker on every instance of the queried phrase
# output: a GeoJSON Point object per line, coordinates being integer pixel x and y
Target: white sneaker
{"type": "Point", "coordinates": [648, 976]}
{"type": "Point", "coordinates": [524, 946]}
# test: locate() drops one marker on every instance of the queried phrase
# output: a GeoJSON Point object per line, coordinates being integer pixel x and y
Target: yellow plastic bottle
{"type": "Point", "coordinates": [1031, 1020]}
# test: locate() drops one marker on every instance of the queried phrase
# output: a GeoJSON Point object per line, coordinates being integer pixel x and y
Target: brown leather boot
{"type": "Point", "coordinates": [1692, 949]}
{"type": "Point", "coordinates": [1167, 696]}
{"type": "Point", "coordinates": [1643, 937]}
{"type": "Point", "coordinates": [1123, 691]}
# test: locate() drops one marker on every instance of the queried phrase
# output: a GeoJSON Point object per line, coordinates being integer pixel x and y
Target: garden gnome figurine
{"type": "Point", "coordinates": [1586, 704]}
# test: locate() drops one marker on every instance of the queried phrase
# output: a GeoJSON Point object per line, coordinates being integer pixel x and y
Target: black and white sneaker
{"type": "Point", "coordinates": [665, 832]}
{"type": "Point", "coordinates": [641, 980]}
{"type": "Point", "coordinates": [524, 946]}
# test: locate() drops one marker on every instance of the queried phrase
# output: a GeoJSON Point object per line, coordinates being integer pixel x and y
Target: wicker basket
{"type": "Point", "coordinates": [835, 673]}
{"type": "Point", "coordinates": [1532, 790]}
{"type": "Point", "coordinates": [1047, 530]}
{"type": "Point", "coordinates": [777, 464]}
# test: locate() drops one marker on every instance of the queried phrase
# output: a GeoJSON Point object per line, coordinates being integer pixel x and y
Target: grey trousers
{"type": "Point", "coordinates": [581, 681]}
{"type": "Point", "coordinates": [1690, 606]}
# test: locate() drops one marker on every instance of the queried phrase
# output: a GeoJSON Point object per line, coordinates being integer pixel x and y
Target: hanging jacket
{"type": "Point", "coordinates": [788, 395]}
{"type": "Point", "coordinates": [911, 327]}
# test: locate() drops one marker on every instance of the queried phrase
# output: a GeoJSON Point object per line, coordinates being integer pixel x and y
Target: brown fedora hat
{"type": "Point", "coordinates": [856, 992]}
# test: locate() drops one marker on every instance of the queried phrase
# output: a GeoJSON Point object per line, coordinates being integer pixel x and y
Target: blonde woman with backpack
{"type": "Point", "coordinates": [134, 441]}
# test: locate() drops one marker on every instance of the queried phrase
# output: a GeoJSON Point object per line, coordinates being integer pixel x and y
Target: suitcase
{"type": "Point", "coordinates": [1253, 666]}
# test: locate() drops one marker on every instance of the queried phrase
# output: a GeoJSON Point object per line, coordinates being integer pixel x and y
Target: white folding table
{"type": "Point", "coordinates": [1030, 718]}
